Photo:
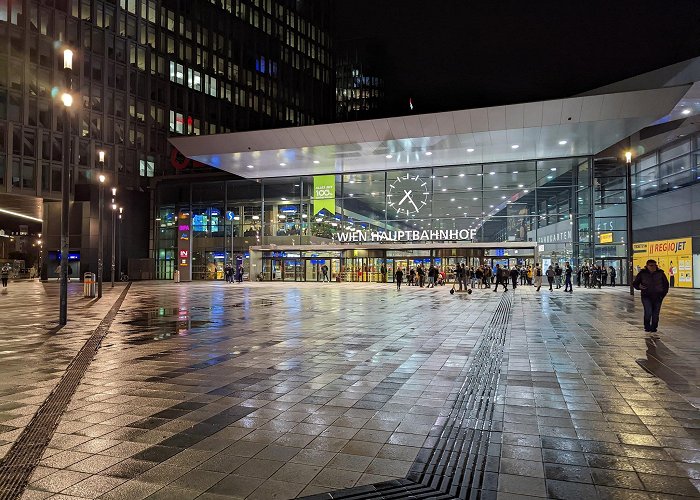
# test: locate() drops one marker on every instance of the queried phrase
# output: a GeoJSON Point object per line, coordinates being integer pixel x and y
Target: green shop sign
{"type": "Point", "coordinates": [324, 193]}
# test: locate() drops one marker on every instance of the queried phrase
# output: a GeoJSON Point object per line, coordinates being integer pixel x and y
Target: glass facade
{"type": "Point", "coordinates": [563, 205]}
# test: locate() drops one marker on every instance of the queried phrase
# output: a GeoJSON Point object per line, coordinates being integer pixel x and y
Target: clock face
{"type": "Point", "coordinates": [407, 195]}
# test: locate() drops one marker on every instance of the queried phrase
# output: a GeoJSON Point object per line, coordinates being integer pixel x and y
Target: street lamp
{"type": "Point", "coordinates": [100, 247]}
{"type": "Point", "coordinates": [121, 213]}
{"type": "Point", "coordinates": [114, 227]}
{"type": "Point", "coordinates": [67, 100]}
{"type": "Point", "coordinates": [628, 243]}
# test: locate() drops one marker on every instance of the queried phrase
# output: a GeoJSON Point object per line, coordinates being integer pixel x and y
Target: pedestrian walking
{"type": "Point", "coordinates": [459, 275]}
{"type": "Point", "coordinates": [514, 273]}
{"type": "Point", "coordinates": [398, 276]}
{"type": "Point", "coordinates": [550, 277]}
{"type": "Point", "coordinates": [324, 273]}
{"type": "Point", "coordinates": [654, 286]}
{"type": "Point", "coordinates": [613, 276]}
{"type": "Point", "coordinates": [501, 278]}
{"type": "Point", "coordinates": [604, 276]}
{"type": "Point", "coordinates": [568, 287]}
{"type": "Point", "coordinates": [479, 274]}
{"type": "Point", "coordinates": [538, 277]}
{"type": "Point", "coordinates": [5, 275]}
{"type": "Point", "coordinates": [557, 275]}
{"type": "Point", "coordinates": [672, 275]}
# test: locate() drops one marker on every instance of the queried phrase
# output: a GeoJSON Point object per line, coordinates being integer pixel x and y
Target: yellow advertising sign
{"type": "Point", "coordinates": [605, 238]}
{"type": "Point", "coordinates": [674, 257]}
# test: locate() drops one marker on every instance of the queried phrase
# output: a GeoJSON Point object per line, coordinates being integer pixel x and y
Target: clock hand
{"type": "Point", "coordinates": [413, 203]}
{"type": "Point", "coordinates": [407, 195]}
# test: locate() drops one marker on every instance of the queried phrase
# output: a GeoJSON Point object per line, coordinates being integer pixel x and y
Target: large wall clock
{"type": "Point", "coordinates": [407, 194]}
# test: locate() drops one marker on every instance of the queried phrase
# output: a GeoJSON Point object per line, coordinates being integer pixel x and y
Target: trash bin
{"type": "Point", "coordinates": [176, 276]}
{"type": "Point", "coordinates": [89, 285]}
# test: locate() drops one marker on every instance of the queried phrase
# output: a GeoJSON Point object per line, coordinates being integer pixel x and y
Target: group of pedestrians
{"type": "Point", "coordinates": [233, 274]}
{"type": "Point", "coordinates": [420, 276]}
{"type": "Point", "coordinates": [596, 276]}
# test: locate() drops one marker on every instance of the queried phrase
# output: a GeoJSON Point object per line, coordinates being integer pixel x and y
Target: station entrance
{"type": "Point", "coordinates": [365, 264]}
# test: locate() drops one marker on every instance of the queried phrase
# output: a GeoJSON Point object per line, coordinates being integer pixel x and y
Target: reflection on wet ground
{"type": "Point", "coordinates": [280, 390]}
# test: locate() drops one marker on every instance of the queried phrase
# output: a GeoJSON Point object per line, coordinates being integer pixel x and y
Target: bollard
{"type": "Point", "coordinates": [176, 276]}
{"type": "Point", "coordinates": [89, 285]}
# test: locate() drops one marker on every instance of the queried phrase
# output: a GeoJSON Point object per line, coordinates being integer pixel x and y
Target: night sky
{"type": "Point", "coordinates": [449, 55]}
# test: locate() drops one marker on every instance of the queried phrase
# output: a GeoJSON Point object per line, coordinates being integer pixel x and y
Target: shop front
{"type": "Point", "coordinates": [364, 263]}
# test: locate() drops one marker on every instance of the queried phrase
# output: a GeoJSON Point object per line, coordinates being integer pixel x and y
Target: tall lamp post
{"type": "Point", "coordinates": [67, 100]}
{"type": "Point", "coordinates": [630, 250]}
{"type": "Point", "coordinates": [114, 227]}
{"type": "Point", "coordinates": [121, 213]}
{"type": "Point", "coordinates": [100, 246]}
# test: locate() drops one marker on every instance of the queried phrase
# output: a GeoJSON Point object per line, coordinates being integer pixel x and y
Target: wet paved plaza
{"type": "Point", "coordinates": [279, 390]}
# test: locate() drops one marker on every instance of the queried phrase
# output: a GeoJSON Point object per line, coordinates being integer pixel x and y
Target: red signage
{"type": "Point", "coordinates": [184, 254]}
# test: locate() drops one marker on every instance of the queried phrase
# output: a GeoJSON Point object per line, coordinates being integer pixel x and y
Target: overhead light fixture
{"type": "Point", "coordinates": [470, 150]}
{"type": "Point", "coordinates": [520, 185]}
{"type": "Point", "coordinates": [428, 153]}
{"type": "Point", "coordinates": [444, 189]}
{"type": "Point", "coordinates": [492, 173]}
{"type": "Point", "coordinates": [316, 162]}
{"type": "Point", "coordinates": [561, 143]}
{"type": "Point", "coordinates": [452, 199]}
{"type": "Point", "coordinates": [389, 157]}
{"type": "Point", "coordinates": [461, 175]}
{"type": "Point", "coordinates": [495, 187]}
{"type": "Point", "coordinates": [469, 189]}
{"type": "Point", "coordinates": [284, 199]}
{"type": "Point", "coordinates": [686, 111]}
{"type": "Point", "coordinates": [515, 146]}
{"type": "Point", "coordinates": [249, 166]}
{"type": "Point", "coordinates": [256, 217]}
{"type": "Point", "coordinates": [283, 164]}
{"type": "Point", "coordinates": [553, 169]}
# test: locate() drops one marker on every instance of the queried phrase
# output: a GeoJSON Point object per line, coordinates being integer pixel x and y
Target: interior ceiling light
{"type": "Point", "coordinates": [444, 189]}
{"type": "Point", "coordinates": [686, 111]}
{"type": "Point", "coordinates": [16, 214]}
{"type": "Point", "coordinates": [520, 185]}
{"type": "Point", "coordinates": [428, 153]}
{"type": "Point", "coordinates": [470, 150]}
{"type": "Point", "coordinates": [553, 169]}
{"type": "Point", "coordinates": [316, 162]}
{"type": "Point", "coordinates": [389, 156]}
{"type": "Point", "coordinates": [249, 166]}
{"type": "Point", "coordinates": [515, 146]}
{"type": "Point", "coordinates": [461, 175]}
{"type": "Point", "coordinates": [469, 189]}
{"type": "Point", "coordinates": [283, 164]}
{"type": "Point", "coordinates": [561, 143]}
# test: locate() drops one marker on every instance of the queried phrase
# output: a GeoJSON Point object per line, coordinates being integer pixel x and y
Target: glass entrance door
{"type": "Point", "coordinates": [293, 270]}
{"type": "Point", "coordinates": [618, 264]}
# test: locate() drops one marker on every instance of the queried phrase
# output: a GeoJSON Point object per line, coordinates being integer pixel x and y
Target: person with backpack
{"type": "Point", "coordinates": [550, 277]}
{"type": "Point", "coordinates": [538, 277]}
{"type": "Point", "coordinates": [479, 274]}
{"type": "Point", "coordinates": [557, 275]}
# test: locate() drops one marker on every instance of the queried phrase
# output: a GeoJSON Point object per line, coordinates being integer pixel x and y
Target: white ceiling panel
{"type": "Point", "coordinates": [462, 121]}
{"type": "Point", "coordinates": [445, 123]}
{"type": "Point", "coordinates": [480, 119]}
{"type": "Point", "coordinates": [532, 114]}
{"type": "Point", "coordinates": [515, 116]}
{"type": "Point", "coordinates": [551, 113]}
{"type": "Point", "coordinates": [497, 118]}
{"type": "Point", "coordinates": [429, 125]}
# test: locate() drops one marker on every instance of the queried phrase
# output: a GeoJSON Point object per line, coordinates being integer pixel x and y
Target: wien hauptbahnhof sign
{"type": "Point", "coordinates": [405, 236]}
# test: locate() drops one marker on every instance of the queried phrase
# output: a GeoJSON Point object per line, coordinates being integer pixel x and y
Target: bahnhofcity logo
{"type": "Point", "coordinates": [407, 236]}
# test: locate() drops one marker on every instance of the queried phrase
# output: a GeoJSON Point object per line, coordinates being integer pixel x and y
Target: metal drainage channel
{"type": "Point", "coordinates": [24, 455]}
{"type": "Point", "coordinates": [455, 464]}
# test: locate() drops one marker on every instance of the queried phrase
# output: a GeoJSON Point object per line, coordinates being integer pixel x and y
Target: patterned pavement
{"type": "Point", "coordinates": [278, 390]}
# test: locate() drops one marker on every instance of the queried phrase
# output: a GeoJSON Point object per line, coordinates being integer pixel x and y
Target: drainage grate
{"type": "Point", "coordinates": [454, 459]}
{"type": "Point", "coordinates": [23, 457]}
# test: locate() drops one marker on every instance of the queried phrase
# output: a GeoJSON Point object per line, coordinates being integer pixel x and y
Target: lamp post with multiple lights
{"type": "Point", "coordinates": [630, 250]}
{"type": "Point", "coordinates": [100, 246]}
{"type": "Point", "coordinates": [67, 100]}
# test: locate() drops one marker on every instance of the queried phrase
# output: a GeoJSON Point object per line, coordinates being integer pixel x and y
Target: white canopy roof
{"type": "Point", "coordinates": [582, 125]}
